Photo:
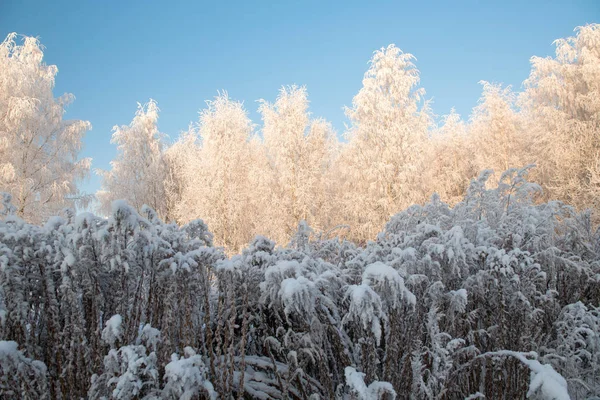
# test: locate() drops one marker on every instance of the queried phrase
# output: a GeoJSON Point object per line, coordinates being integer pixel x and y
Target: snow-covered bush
{"type": "Point", "coordinates": [356, 389]}
{"type": "Point", "coordinates": [128, 373]}
{"type": "Point", "coordinates": [185, 377]}
{"type": "Point", "coordinates": [496, 297]}
{"type": "Point", "coordinates": [21, 377]}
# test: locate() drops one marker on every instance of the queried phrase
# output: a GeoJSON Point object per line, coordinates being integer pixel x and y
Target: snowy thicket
{"type": "Point", "coordinates": [496, 297]}
{"type": "Point", "coordinates": [21, 377]}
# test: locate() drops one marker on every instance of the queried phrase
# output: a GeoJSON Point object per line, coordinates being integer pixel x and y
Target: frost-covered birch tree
{"type": "Point", "coordinates": [138, 173]}
{"type": "Point", "coordinates": [496, 129]}
{"type": "Point", "coordinates": [385, 143]}
{"type": "Point", "coordinates": [39, 164]}
{"type": "Point", "coordinates": [179, 158]}
{"type": "Point", "coordinates": [451, 163]}
{"type": "Point", "coordinates": [217, 181]}
{"type": "Point", "coordinates": [562, 103]}
{"type": "Point", "coordinates": [299, 153]}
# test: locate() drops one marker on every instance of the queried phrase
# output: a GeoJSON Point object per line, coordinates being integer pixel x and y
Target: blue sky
{"type": "Point", "coordinates": [112, 54]}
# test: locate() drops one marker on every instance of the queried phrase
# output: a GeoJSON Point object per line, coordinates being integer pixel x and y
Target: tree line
{"type": "Point", "coordinates": [245, 180]}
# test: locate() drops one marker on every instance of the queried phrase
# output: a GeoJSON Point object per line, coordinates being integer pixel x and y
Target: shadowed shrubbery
{"type": "Point", "coordinates": [495, 297]}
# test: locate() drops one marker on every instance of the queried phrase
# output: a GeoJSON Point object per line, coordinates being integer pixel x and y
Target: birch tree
{"type": "Point", "coordinates": [179, 159]}
{"type": "Point", "coordinates": [383, 157]}
{"type": "Point", "coordinates": [496, 128]}
{"type": "Point", "coordinates": [138, 172]}
{"type": "Point", "coordinates": [299, 152]}
{"type": "Point", "coordinates": [39, 164]}
{"type": "Point", "coordinates": [217, 185]}
{"type": "Point", "coordinates": [562, 99]}
{"type": "Point", "coordinates": [451, 167]}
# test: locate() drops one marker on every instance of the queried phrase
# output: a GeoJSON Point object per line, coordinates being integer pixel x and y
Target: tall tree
{"type": "Point", "coordinates": [496, 127]}
{"type": "Point", "coordinates": [562, 99]}
{"type": "Point", "coordinates": [299, 152]}
{"type": "Point", "coordinates": [39, 162]}
{"type": "Point", "coordinates": [217, 188]}
{"type": "Point", "coordinates": [451, 166]}
{"type": "Point", "coordinates": [138, 172]}
{"type": "Point", "coordinates": [384, 155]}
{"type": "Point", "coordinates": [179, 157]}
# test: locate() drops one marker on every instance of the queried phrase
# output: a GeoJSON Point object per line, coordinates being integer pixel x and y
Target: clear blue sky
{"type": "Point", "coordinates": [112, 54]}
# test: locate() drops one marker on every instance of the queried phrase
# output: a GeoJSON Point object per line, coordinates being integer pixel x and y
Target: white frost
{"type": "Point", "coordinates": [113, 330]}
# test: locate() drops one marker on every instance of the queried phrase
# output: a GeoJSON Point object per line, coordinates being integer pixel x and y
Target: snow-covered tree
{"type": "Point", "coordinates": [39, 163]}
{"type": "Point", "coordinates": [299, 153]}
{"type": "Point", "coordinates": [562, 103]}
{"type": "Point", "coordinates": [179, 158]}
{"type": "Point", "coordinates": [450, 153]}
{"type": "Point", "coordinates": [497, 132]}
{"type": "Point", "coordinates": [138, 173]}
{"type": "Point", "coordinates": [217, 180]}
{"type": "Point", "coordinates": [383, 157]}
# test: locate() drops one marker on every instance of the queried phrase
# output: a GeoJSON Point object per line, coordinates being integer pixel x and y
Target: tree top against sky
{"type": "Point", "coordinates": [183, 53]}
